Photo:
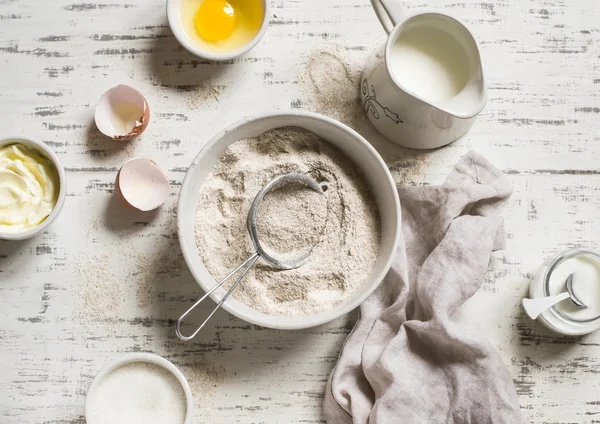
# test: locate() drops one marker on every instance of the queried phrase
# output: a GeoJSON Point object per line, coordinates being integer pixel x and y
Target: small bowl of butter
{"type": "Point", "coordinates": [32, 187]}
{"type": "Point", "coordinates": [218, 30]}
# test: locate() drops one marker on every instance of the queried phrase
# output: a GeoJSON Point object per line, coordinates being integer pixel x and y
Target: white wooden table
{"type": "Point", "coordinates": [541, 126]}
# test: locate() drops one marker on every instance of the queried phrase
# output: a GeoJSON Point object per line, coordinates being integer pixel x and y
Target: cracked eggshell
{"type": "Point", "coordinates": [122, 113]}
{"type": "Point", "coordinates": [142, 184]}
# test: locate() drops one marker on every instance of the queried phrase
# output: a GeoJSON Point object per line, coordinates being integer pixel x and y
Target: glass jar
{"type": "Point", "coordinates": [555, 318]}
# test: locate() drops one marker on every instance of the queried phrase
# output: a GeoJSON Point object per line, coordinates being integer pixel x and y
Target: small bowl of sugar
{"type": "Point", "coordinates": [139, 388]}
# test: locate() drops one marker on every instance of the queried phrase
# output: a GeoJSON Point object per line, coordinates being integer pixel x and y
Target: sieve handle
{"type": "Point", "coordinates": [246, 266]}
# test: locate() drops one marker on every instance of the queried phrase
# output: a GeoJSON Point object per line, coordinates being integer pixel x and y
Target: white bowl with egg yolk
{"type": "Point", "coordinates": [44, 149]}
{"type": "Point", "coordinates": [356, 148]}
{"type": "Point", "coordinates": [174, 16]}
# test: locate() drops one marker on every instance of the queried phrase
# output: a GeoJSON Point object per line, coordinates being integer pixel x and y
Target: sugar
{"type": "Point", "coordinates": [138, 393]}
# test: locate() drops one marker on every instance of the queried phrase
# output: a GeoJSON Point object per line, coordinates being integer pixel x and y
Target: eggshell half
{"type": "Point", "coordinates": [108, 105]}
{"type": "Point", "coordinates": [142, 184]}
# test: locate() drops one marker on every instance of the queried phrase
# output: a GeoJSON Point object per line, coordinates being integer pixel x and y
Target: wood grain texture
{"type": "Point", "coordinates": [541, 126]}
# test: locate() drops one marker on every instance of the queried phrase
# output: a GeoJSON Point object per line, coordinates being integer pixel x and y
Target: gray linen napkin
{"type": "Point", "coordinates": [407, 360]}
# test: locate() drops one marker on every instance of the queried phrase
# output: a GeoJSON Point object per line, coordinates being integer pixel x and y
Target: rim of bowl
{"type": "Point", "coordinates": [325, 316]}
{"type": "Point", "coordinates": [62, 193]}
{"type": "Point", "coordinates": [149, 358]}
{"type": "Point", "coordinates": [173, 7]}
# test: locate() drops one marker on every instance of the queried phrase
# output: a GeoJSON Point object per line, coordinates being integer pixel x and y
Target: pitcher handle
{"type": "Point", "coordinates": [389, 13]}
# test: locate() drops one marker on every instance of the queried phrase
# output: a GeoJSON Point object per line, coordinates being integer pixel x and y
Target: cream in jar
{"type": "Point", "coordinates": [586, 286]}
{"type": "Point", "coordinates": [28, 188]}
{"type": "Point", "coordinates": [565, 317]}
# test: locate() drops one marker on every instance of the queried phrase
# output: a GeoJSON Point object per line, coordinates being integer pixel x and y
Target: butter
{"type": "Point", "coordinates": [29, 188]}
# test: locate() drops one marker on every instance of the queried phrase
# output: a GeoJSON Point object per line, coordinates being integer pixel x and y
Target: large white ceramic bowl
{"type": "Point", "coordinates": [45, 150]}
{"type": "Point", "coordinates": [344, 138]}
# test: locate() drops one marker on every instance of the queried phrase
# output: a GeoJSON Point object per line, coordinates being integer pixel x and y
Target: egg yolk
{"type": "Point", "coordinates": [215, 20]}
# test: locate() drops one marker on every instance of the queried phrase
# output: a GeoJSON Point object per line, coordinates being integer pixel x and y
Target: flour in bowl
{"type": "Point", "coordinates": [342, 225]}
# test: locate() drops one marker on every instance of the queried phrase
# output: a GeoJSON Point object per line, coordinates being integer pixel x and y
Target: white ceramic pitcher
{"type": "Point", "coordinates": [403, 116]}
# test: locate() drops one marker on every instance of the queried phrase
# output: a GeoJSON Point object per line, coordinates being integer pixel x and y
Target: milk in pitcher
{"type": "Point", "coordinates": [429, 63]}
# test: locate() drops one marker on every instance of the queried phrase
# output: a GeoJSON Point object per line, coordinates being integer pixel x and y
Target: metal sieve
{"type": "Point", "coordinates": [260, 253]}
